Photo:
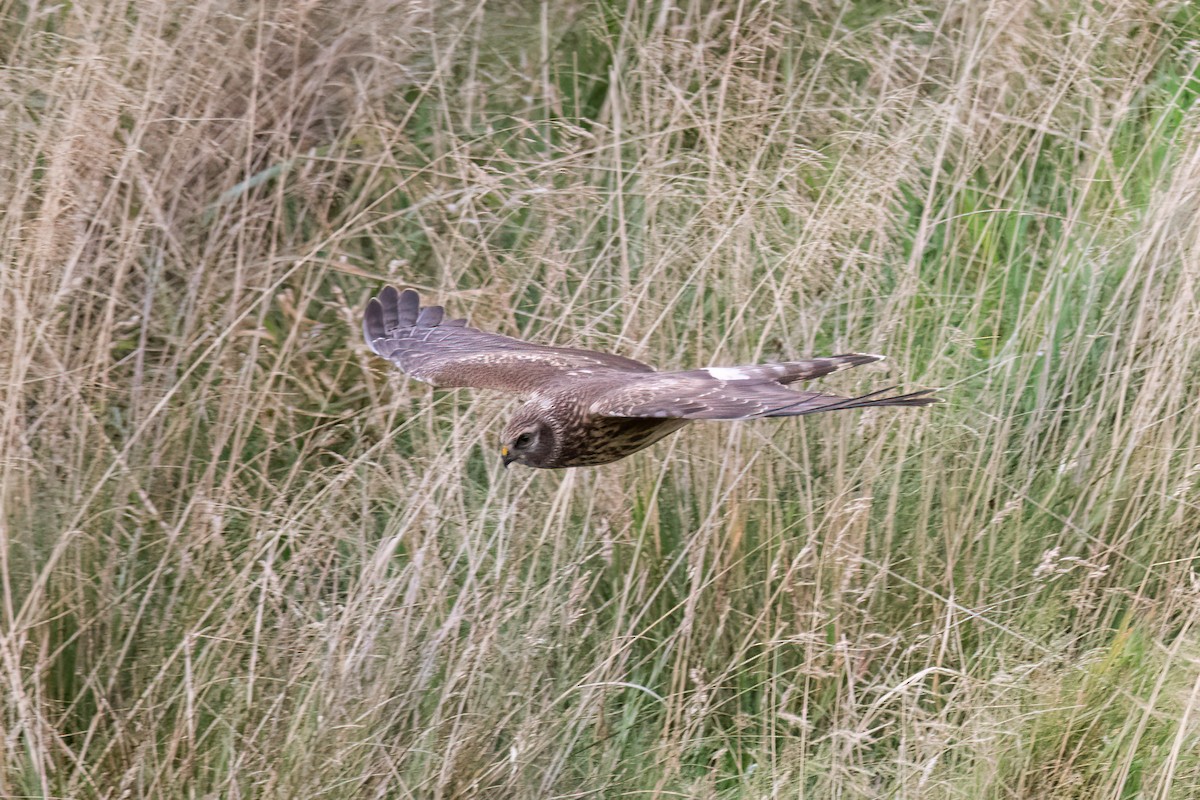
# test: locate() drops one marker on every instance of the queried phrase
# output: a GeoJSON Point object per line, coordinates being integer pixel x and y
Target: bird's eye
{"type": "Point", "coordinates": [523, 441]}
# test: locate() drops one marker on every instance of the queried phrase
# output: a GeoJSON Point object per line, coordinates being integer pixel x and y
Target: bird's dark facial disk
{"type": "Point", "coordinates": [521, 445]}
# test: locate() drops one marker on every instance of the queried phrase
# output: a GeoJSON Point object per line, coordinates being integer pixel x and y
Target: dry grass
{"type": "Point", "coordinates": [243, 559]}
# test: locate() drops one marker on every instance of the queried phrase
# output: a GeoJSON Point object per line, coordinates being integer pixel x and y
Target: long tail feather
{"type": "Point", "coordinates": [812, 405]}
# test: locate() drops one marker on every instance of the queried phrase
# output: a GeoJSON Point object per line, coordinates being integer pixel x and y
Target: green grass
{"type": "Point", "coordinates": [243, 558]}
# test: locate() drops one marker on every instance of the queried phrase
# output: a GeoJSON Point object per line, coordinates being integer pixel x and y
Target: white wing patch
{"type": "Point", "coordinates": [726, 373]}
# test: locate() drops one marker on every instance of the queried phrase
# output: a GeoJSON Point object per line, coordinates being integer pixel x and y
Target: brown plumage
{"type": "Point", "coordinates": [586, 407]}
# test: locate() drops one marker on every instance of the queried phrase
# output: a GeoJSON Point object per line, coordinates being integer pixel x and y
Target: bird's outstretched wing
{"type": "Point", "coordinates": [446, 353]}
{"type": "Point", "coordinates": [698, 395]}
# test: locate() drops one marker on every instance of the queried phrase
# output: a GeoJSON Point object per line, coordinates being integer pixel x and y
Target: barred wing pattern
{"type": "Point", "coordinates": [447, 353]}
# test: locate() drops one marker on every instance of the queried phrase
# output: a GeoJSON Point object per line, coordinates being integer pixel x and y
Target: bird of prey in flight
{"type": "Point", "coordinates": [585, 407]}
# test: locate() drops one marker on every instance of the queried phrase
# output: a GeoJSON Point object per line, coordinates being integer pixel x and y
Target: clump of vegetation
{"type": "Point", "coordinates": [241, 557]}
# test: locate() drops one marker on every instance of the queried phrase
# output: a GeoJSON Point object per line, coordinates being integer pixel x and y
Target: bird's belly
{"type": "Point", "coordinates": [614, 438]}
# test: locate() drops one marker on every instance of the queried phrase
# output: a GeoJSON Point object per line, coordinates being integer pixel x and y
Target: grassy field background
{"type": "Point", "coordinates": [243, 558]}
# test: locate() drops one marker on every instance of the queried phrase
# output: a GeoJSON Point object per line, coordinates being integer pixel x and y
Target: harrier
{"type": "Point", "coordinates": [586, 407]}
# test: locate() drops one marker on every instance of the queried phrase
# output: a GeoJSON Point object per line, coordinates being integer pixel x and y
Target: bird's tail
{"type": "Point", "coordinates": [819, 403]}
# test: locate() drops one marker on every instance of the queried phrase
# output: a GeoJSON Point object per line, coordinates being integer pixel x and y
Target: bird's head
{"type": "Point", "coordinates": [529, 438]}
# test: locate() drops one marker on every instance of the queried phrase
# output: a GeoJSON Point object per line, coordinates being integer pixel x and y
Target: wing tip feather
{"type": "Point", "coordinates": [402, 309]}
{"type": "Point", "coordinates": [373, 325]}
{"type": "Point", "coordinates": [848, 360]}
